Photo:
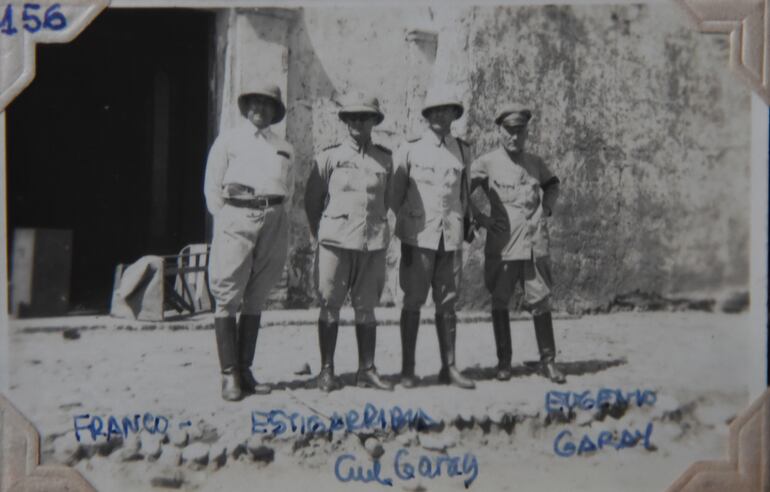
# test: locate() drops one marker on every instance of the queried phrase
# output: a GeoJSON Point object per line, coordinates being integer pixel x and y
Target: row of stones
{"type": "Point", "coordinates": [203, 445]}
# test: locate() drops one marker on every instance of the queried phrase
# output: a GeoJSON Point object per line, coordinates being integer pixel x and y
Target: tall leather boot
{"type": "Point", "coordinates": [410, 323]}
{"type": "Point", "coordinates": [327, 341]}
{"type": "Point", "coordinates": [367, 377]}
{"type": "Point", "coordinates": [446, 329]}
{"type": "Point", "coordinates": [501, 326]}
{"type": "Point", "coordinates": [225, 331]}
{"type": "Point", "coordinates": [547, 347]}
{"type": "Point", "coordinates": [248, 328]}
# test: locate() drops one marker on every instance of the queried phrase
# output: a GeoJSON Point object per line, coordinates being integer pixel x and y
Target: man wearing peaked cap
{"type": "Point", "coordinates": [522, 192]}
{"type": "Point", "coordinates": [346, 206]}
{"type": "Point", "coordinates": [248, 179]}
{"type": "Point", "coordinates": [430, 198]}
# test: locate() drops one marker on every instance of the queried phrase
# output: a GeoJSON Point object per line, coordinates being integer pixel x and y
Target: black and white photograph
{"type": "Point", "coordinates": [424, 246]}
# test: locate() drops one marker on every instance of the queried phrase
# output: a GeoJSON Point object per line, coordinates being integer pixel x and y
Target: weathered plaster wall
{"type": "Point", "coordinates": [333, 52]}
{"type": "Point", "coordinates": [635, 111]}
{"type": "Point", "coordinates": [648, 131]}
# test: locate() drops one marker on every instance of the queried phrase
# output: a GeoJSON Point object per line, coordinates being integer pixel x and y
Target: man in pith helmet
{"type": "Point", "coordinates": [248, 180]}
{"type": "Point", "coordinates": [522, 192]}
{"type": "Point", "coordinates": [346, 205]}
{"type": "Point", "coordinates": [430, 199]}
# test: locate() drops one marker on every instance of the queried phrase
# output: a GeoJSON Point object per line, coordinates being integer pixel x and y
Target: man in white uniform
{"type": "Point", "coordinates": [429, 194]}
{"type": "Point", "coordinates": [248, 179]}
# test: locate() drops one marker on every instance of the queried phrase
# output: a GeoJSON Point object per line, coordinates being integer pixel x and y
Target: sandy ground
{"type": "Point", "coordinates": [696, 363]}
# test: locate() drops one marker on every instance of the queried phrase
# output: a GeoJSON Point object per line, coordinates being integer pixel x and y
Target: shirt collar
{"type": "Point", "coordinates": [512, 157]}
{"type": "Point", "coordinates": [433, 138]}
{"type": "Point", "coordinates": [249, 128]}
{"type": "Point", "coordinates": [359, 149]}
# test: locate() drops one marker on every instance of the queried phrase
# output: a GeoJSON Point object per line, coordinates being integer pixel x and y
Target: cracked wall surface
{"type": "Point", "coordinates": [635, 112]}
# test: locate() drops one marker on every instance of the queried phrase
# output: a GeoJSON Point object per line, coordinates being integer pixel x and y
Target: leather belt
{"type": "Point", "coordinates": [258, 202]}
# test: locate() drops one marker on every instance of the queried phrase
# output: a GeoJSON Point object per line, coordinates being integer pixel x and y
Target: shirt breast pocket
{"type": "Point", "coordinates": [274, 167]}
{"type": "Point", "coordinates": [507, 191]}
{"type": "Point", "coordinates": [343, 178]}
{"type": "Point", "coordinates": [452, 176]}
{"type": "Point", "coordinates": [530, 194]}
{"type": "Point", "coordinates": [422, 174]}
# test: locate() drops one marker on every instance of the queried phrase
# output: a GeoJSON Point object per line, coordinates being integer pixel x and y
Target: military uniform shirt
{"type": "Point", "coordinates": [429, 191]}
{"type": "Point", "coordinates": [517, 191]}
{"type": "Point", "coordinates": [259, 159]}
{"type": "Point", "coordinates": [346, 196]}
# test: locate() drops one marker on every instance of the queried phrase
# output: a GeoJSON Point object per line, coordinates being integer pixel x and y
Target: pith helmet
{"type": "Point", "coordinates": [362, 104]}
{"type": "Point", "coordinates": [437, 99]}
{"type": "Point", "coordinates": [513, 115]}
{"type": "Point", "coordinates": [271, 91]}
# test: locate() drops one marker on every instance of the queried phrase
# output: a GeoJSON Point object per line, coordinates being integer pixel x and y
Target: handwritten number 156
{"type": "Point", "coordinates": [31, 22]}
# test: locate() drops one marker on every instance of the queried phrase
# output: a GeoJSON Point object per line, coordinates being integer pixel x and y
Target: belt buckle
{"type": "Point", "coordinates": [262, 202]}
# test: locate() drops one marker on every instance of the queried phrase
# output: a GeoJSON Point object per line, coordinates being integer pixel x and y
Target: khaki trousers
{"type": "Point", "coordinates": [248, 253]}
{"type": "Point", "coordinates": [361, 273]}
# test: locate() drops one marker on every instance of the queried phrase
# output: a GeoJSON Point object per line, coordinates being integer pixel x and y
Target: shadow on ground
{"type": "Point", "coordinates": [528, 368]}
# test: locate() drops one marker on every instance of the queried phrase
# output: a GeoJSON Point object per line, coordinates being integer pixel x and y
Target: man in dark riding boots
{"type": "Point", "coordinates": [522, 192]}
{"type": "Point", "coordinates": [248, 179]}
{"type": "Point", "coordinates": [346, 205]}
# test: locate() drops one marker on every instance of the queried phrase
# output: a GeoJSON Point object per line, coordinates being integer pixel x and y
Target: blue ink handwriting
{"type": "Point", "coordinates": [428, 468]}
{"type": "Point", "coordinates": [564, 445]}
{"type": "Point", "coordinates": [95, 425]}
{"type": "Point", "coordinates": [279, 422]}
{"type": "Point", "coordinates": [30, 21]}
{"type": "Point", "coordinates": [346, 468]}
{"type": "Point", "coordinates": [561, 401]}
{"type": "Point", "coordinates": [356, 473]}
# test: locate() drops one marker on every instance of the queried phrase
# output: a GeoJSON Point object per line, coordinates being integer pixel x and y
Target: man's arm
{"type": "Point", "coordinates": [216, 166]}
{"type": "Point", "coordinates": [289, 170]}
{"type": "Point", "coordinates": [480, 179]}
{"type": "Point", "coordinates": [399, 181]}
{"type": "Point", "coordinates": [550, 185]}
{"type": "Point", "coordinates": [315, 194]}
{"type": "Point", "coordinates": [388, 187]}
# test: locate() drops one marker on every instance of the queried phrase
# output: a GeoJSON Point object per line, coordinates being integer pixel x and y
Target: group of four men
{"type": "Point", "coordinates": [352, 185]}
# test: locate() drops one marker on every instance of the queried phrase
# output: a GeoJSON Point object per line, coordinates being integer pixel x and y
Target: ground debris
{"type": "Point", "coordinates": [639, 300]}
{"type": "Point", "coordinates": [170, 456]}
{"type": "Point", "coordinates": [150, 445]}
{"type": "Point", "coordinates": [169, 478]}
{"type": "Point", "coordinates": [218, 455]}
{"type": "Point", "coordinates": [204, 432]}
{"type": "Point", "coordinates": [196, 455]}
{"type": "Point", "coordinates": [373, 447]}
{"type": "Point", "coordinates": [131, 449]}
{"type": "Point", "coordinates": [260, 452]}
{"type": "Point", "coordinates": [71, 334]}
{"type": "Point", "coordinates": [417, 487]}
{"type": "Point", "coordinates": [178, 437]}
{"type": "Point", "coordinates": [67, 450]}
{"type": "Point", "coordinates": [735, 302]}
{"type": "Point", "coordinates": [437, 442]}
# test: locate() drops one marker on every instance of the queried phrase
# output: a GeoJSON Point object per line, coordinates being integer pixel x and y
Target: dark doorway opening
{"type": "Point", "coordinates": [110, 142]}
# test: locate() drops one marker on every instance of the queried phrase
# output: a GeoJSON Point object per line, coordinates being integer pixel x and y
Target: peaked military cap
{"type": "Point", "coordinates": [513, 115]}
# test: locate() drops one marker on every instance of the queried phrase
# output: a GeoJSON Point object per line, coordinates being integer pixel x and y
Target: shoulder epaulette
{"type": "Point", "coordinates": [332, 146]}
{"type": "Point", "coordinates": [384, 149]}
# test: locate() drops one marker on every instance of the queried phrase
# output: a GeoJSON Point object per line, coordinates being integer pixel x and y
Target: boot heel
{"type": "Point", "coordinates": [225, 332]}
{"type": "Point", "coordinates": [446, 325]}
{"type": "Point", "coordinates": [231, 387]}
